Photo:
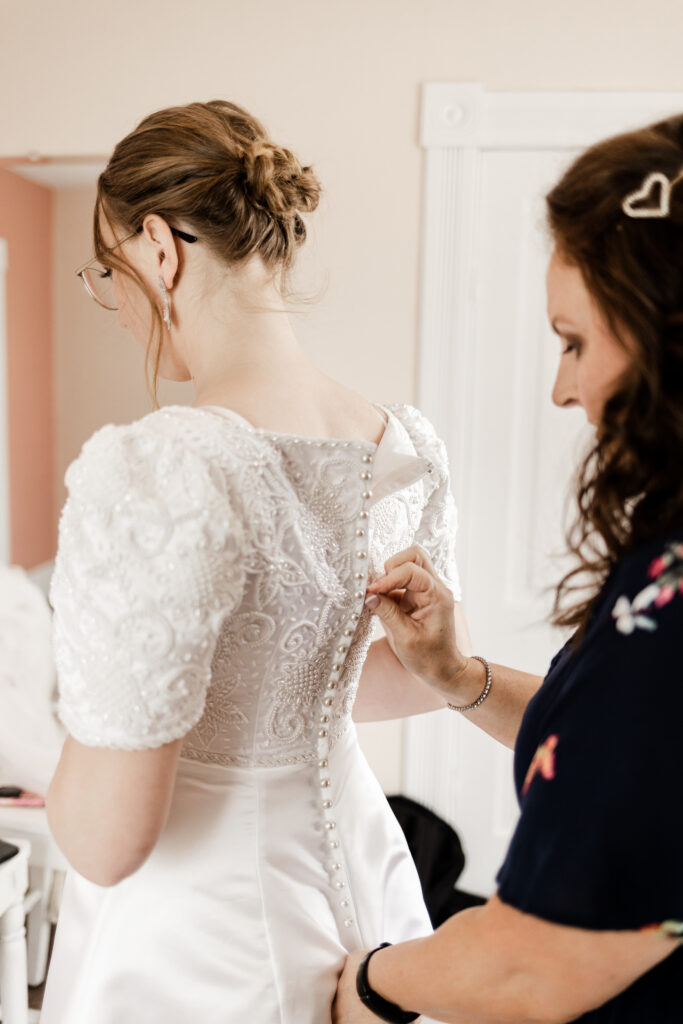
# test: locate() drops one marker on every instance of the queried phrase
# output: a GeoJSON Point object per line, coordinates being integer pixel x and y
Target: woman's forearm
{"type": "Point", "coordinates": [388, 690]}
{"type": "Point", "coordinates": [494, 963]}
{"type": "Point", "coordinates": [107, 808]}
{"type": "Point", "coordinates": [455, 976]}
{"type": "Point", "coordinates": [79, 816]}
{"type": "Point", "coordinates": [501, 713]}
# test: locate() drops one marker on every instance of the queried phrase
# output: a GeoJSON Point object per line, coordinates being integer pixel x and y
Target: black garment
{"type": "Point", "coordinates": [438, 856]}
{"type": "Point", "coordinates": [599, 777]}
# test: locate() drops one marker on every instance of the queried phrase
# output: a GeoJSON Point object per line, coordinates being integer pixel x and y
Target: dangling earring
{"type": "Point", "coordinates": [167, 302]}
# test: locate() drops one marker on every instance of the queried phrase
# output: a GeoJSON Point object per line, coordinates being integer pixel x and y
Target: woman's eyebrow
{"type": "Point", "coordinates": [567, 328]}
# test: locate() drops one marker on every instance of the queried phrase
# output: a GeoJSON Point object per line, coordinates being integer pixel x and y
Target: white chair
{"type": "Point", "coordinates": [30, 742]}
{"type": "Point", "coordinates": [13, 973]}
{"type": "Point", "coordinates": [46, 873]}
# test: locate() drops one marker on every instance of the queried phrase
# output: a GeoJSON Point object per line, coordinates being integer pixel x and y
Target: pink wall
{"type": "Point", "coordinates": [26, 224]}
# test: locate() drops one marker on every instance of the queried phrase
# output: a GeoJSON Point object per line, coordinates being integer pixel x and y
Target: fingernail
{"type": "Point", "coordinates": [372, 602]}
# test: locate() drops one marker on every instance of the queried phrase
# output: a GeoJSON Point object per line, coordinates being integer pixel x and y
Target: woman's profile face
{"type": "Point", "coordinates": [592, 361]}
{"type": "Point", "coordinates": [132, 308]}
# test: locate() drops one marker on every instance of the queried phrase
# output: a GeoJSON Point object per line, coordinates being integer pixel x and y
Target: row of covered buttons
{"type": "Point", "coordinates": [360, 584]}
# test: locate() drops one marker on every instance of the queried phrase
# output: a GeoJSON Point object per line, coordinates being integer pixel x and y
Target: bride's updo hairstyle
{"type": "Point", "coordinates": [630, 486]}
{"type": "Point", "coordinates": [210, 168]}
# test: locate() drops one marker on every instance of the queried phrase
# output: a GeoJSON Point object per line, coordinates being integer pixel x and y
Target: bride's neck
{"type": "Point", "coordinates": [237, 341]}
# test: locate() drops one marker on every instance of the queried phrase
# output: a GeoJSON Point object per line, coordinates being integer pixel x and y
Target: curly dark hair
{"type": "Point", "coordinates": [630, 485]}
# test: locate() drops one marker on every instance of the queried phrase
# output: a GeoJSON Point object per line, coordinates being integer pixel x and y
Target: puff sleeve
{"type": "Point", "coordinates": [148, 567]}
{"type": "Point", "coordinates": [438, 526]}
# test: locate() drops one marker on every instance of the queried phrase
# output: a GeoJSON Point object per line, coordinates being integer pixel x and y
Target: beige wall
{"type": "Point", "coordinates": [340, 83]}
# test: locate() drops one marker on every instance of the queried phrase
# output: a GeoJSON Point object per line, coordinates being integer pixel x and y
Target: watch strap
{"type": "Point", "coordinates": [381, 1007]}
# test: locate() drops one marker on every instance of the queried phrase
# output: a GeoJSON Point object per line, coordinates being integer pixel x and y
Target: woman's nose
{"type": "Point", "coordinates": [565, 392]}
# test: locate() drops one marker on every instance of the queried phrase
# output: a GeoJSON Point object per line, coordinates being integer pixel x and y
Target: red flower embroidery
{"type": "Point", "coordinates": [659, 565]}
{"type": "Point", "coordinates": [542, 762]}
{"type": "Point", "coordinates": [666, 594]}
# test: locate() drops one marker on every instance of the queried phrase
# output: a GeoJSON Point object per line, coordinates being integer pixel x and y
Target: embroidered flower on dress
{"type": "Point", "coordinates": [666, 571]}
{"type": "Point", "coordinates": [542, 763]}
{"type": "Point", "coordinates": [627, 617]}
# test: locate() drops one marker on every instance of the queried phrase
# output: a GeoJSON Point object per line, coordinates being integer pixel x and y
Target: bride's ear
{"type": "Point", "coordinates": [161, 247]}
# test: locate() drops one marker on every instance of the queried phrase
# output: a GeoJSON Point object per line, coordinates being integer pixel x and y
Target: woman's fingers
{"type": "Point", "coordinates": [405, 600]}
{"type": "Point", "coordinates": [417, 611]}
{"type": "Point", "coordinates": [395, 621]}
{"type": "Point", "coordinates": [415, 554]}
{"type": "Point", "coordinates": [407, 576]}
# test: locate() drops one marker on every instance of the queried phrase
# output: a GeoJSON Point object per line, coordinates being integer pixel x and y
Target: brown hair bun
{"type": "Point", "coordinates": [276, 180]}
{"type": "Point", "coordinates": [212, 167]}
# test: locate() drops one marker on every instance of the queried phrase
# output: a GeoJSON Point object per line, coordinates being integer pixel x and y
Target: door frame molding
{"type": "Point", "coordinates": [459, 122]}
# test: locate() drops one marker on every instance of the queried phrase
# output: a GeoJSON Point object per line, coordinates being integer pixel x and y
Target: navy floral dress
{"type": "Point", "coordinates": [599, 777]}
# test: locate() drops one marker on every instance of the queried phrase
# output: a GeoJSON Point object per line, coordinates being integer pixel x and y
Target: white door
{"type": "Point", "coordinates": [4, 414]}
{"type": "Point", "coordinates": [487, 363]}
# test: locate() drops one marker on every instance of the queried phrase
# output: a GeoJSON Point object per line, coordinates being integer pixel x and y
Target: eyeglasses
{"type": "Point", "coordinates": [97, 279]}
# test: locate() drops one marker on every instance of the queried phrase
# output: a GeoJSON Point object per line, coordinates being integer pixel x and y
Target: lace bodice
{"type": "Point", "coordinates": [211, 576]}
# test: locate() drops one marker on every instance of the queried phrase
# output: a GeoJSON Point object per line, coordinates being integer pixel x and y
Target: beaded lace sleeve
{"type": "Point", "coordinates": [439, 522]}
{"type": "Point", "coordinates": [149, 564]}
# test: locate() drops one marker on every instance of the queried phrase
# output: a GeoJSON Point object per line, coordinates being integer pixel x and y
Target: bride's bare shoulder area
{"type": "Point", "coordinates": [355, 415]}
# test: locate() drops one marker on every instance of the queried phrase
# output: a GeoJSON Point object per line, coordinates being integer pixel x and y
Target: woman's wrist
{"type": "Point", "coordinates": [375, 979]}
{"type": "Point", "coordinates": [465, 682]}
{"type": "Point", "coordinates": [383, 1008]}
{"type": "Point", "coordinates": [386, 975]}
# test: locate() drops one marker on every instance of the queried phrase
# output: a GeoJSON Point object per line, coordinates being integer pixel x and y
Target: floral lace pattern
{"type": "Point", "coordinates": [211, 576]}
{"type": "Point", "coordinates": [140, 588]}
{"type": "Point", "coordinates": [666, 573]}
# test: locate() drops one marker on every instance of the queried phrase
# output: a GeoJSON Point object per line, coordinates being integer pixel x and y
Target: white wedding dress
{"type": "Point", "coordinates": [210, 585]}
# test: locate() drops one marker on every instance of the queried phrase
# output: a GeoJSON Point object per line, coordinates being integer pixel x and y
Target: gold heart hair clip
{"type": "Point", "coordinates": [645, 195]}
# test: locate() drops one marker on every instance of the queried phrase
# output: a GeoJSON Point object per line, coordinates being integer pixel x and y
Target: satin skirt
{"type": "Point", "coordinates": [238, 915]}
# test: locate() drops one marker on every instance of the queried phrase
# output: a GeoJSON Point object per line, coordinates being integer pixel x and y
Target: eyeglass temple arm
{"type": "Point", "coordinates": [176, 231]}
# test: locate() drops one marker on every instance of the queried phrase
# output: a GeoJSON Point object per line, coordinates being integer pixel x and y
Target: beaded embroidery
{"type": "Point", "coordinates": [211, 577]}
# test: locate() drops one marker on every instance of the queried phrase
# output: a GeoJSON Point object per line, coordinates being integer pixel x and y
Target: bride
{"type": "Point", "coordinates": [229, 844]}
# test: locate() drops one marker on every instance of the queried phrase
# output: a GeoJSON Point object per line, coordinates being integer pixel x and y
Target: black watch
{"type": "Point", "coordinates": [382, 1008]}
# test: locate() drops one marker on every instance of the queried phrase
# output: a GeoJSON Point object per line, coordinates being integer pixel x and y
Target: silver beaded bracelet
{"type": "Point", "coordinates": [484, 693]}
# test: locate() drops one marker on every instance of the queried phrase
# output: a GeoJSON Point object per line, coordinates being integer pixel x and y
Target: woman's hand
{"type": "Point", "coordinates": [421, 620]}
{"type": "Point", "coordinates": [347, 1007]}
{"type": "Point", "coordinates": [417, 612]}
